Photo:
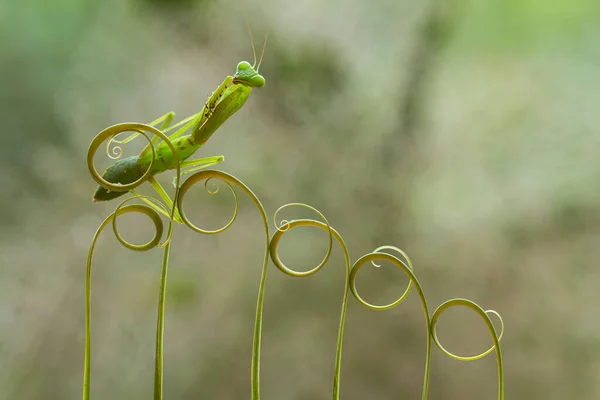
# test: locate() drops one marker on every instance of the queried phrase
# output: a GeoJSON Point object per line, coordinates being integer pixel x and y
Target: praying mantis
{"type": "Point", "coordinates": [228, 98]}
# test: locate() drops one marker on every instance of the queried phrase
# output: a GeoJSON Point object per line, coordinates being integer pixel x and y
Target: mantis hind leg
{"type": "Point", "coordinates": [190, 166]}
{"type": "Point", "coordinates": [201, 163]}
{"type": "Point", "coordinates": [187, 124]}
{"type": "Point", "coordinates": [165, 119]}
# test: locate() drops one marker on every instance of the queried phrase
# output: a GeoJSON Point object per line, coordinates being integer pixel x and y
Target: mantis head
{"type": "Point", "coordinates": [247, 75]}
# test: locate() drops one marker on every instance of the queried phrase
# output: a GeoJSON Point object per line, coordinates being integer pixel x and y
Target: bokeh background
{"type": "Point", "coordinates": [464, 132]}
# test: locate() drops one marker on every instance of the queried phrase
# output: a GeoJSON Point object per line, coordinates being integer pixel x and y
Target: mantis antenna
{"type": "Point", "coordinates": [251, 40]}
{"type": "Point", "coordinates": [263, 50]}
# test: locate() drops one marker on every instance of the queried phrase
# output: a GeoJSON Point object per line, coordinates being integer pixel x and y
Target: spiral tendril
{"type": "Point", "coordinates": [232, 181]}
{"type": "Point", "coordinates": [110, 133]}
{"type": "Point", "coordinates": [286, 226]}
{"type": "Point", "coordinates": [397, 250]}
{"type": "Point", "coordinates": [120, 210]}
{"type": "Point", "coordinates": [372, 257]}
{"type": "Point", "coordinates": [207, 176]}
{"type": "Point", "coordinates": [216, 187]}
{"type": "Point", "coordinates": [485, 315]}
{"type": "Point", "coordinates": [283, 225]}
{"type": "Point", "coordinates": [115, 152]}
{"type": "Point", "coordinates": [154, 217]}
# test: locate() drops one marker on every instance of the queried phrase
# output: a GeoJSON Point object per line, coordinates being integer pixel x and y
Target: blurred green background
{"type": "Point", "coordinates": [464, 132]}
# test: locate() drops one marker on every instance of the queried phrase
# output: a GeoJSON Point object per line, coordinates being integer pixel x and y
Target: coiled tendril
{"type": "Point", "coordinates": [357, 266]}
{"type": "Point", "coordinates": [110, 133]}
{"type": "Point", "coordinates": [286, 226]}
{"type": "Point", "coordinates": [154, 217]}
{"type": "Point", "coordinates": [115, 152]}
{"type": "Point", "coordinates": [231, 181]}
{"type": "Point", "coordinates": [485, 315]}
{"type": "Point", "coordinates": [207, 176]}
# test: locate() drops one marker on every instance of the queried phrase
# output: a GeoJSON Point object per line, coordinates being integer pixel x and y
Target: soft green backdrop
{"type": "Point", "coordinates": [465, 132]}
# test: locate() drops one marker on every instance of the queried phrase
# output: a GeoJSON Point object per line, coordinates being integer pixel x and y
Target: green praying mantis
{"type": "Point", "coordinates": [228, 98]}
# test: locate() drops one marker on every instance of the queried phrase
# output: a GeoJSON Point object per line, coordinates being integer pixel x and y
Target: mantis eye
{"type": "Point", "coordinates": [244, 65]}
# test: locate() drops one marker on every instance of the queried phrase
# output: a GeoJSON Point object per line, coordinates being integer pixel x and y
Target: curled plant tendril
{"type": "Point", "coordinates": [484, 315]}
{"type": "Point", "coordinates": [393, 248]}
{"type": "Point", "coordinates": [372, 257]}
{"type": "Point", "coordinates": [285, 226]}
{"type": "Point", "coordinates": [207, 176]}
{"type": "Point", "coordinates": [216, 189]}
{"type": "Point", "coordinates": [480, 312]}
{"type": "Point", "coordinates": [153, 215]}
{"type": "Point", "coordinates": [408, 270]}
{"type": "Point", "coordinates": [115, 152]}
{"type": "Point", "coordinates": [110, 133]}
{"type": "Point", "coordinates": [120, 210]}
{"type": "Point", "coordinates": [231, 181]}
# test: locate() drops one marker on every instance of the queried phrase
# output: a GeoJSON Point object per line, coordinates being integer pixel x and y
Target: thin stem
{"type": "Point", "coordinates": [160, 327]}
